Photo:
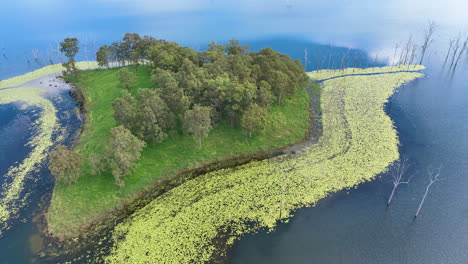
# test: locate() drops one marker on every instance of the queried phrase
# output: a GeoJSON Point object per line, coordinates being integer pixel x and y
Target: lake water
{"type": "Point", "coordinates": [430, 114]}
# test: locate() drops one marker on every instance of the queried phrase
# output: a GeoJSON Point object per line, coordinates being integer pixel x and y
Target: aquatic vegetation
{"type": "Point", "coordinates": [325, 74]}
{"type": "Point", "coordinates": [13, 196]}
{"type": "Point", "coordinates": [193, 222]}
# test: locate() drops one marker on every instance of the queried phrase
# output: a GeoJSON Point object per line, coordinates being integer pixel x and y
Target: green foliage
{"type": "Point", "coordinates": [70, 47]}
{"type": "Point", "coordinates": [170, 92]}
{"type": "Point", "coordinates": [122, 152]}
{"type": "Point", "coordinates": [65, 165]}
{"type": "Point", "coordinates": [358, 142]}
{"type": "Point", "coordinates": [102, 56]}
{"type": "Point", "coordinates": [254, 119]}
{"type": "Point", "coordinates": [153, 117]}
{"type": "Point", "coordinates": [124, 110]}
{"type": "Point", "coordinates": [76, 206]}
{"type": "Point", "coordinates": [127, 79]}
{"type": "Point", "coordinates": [197, 122]}
{"type": "Point", "coordinates": [264, 94]}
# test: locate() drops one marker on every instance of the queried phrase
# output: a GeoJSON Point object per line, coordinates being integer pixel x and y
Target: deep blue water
{"type": "Point", "coordinates": [430, 114]}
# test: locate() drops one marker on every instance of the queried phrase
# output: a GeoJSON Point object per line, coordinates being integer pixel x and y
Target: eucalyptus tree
{"type": "Point", "coordinates": [254, 119]}
{"type": "Point", "coordinates": [103, 55]}
{"type": "Point", "coordinates": [65, 165]}
{"type": "Point", "coordinates": [197, 122]}
{"type": "Point", "coordinates": [70, 47]}
{"type": "Point", "coordinates": [123, 150]}
{"type": "Point", "coordinates": [127, 79]}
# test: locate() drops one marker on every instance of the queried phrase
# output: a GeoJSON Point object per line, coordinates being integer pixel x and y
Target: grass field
{"type": "Point", "coordinates": [74, 207]}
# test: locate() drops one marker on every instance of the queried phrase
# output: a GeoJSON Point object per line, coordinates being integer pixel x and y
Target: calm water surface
{"type": "Point", "coordinates": [430, 114]}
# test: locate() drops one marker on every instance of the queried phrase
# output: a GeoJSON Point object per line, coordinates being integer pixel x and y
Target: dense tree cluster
{"type": "Point", "coordinates": [228, 79]}
{"type": "Point", "coordinates": [191, 92]}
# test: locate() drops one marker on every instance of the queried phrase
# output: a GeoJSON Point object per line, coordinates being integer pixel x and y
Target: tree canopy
{"type": "Point", "coordinates": [65, 165]}
{"type": "Point", "coordinates": [70, 47]}
{"type": "Point", "coordinates": [197, 122]}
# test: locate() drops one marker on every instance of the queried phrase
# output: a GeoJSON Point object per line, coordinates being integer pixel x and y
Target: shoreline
{"type": "Point", "coordinates": [156, 189]}
{"type": "Point", "coordinates": [145, 196]}
{"type": "Point", "coordinates": [170, 212]}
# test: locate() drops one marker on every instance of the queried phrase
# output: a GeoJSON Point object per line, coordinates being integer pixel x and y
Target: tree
{"type": "Point", "coordinates": [133, 45]}
{"type": "Point", "coordinates": [124, 110]}
{"type": "Point", "coordinates": [122, 152]}
{"type": "Point", "coordinates": [235, 97]}
{"type": "Point", "coordinates": [149, 128]}
{"type": "Point", "coordinates": [433, 178]}
{"type": "Point", "coordinates": [65, 165]}
{"type": "Point", "coordinates": [264, 94]}
{"type": "Point", "coordinates": [70, 47]}
{"type": "Point", "coordinates": [127, 79]}
{"type": "Point", "coordinates": [97, 163]}
{"type": "Point", "coordinates": [398, 173]}
{"type": "Point", "coordinates": [254, 119]}
{"type": "Point", "coordinates": [233, 48]}
{"type": "Point", "coordinates": [170, 92]}
{"type": "Point", "coordinates": [197, 122]}
{"type": "Point", "coordinates": [150, 98]}
{"type": "Point", "coordinates": [281, 85]}
{"type": "Point", "coordinates": [427, 39]}
{"type": "Point", "coordinates": [103, 55]}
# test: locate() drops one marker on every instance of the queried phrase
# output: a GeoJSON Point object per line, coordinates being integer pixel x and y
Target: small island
{"type": "Point", "coordinates": [155, 111]}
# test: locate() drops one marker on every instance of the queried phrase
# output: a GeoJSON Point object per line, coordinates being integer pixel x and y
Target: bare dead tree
{"type": "Point", "coordinates": [461, 52]}
{"type": "Point", "coordinates": [394, 54]}
{"type": "Point", "coordinates": [330, 56]}
{"type": "Point", "coordinates": [59, 54]}
{"type": "Point", "coordinates": [35, 53]}
{"type": "Point", "coordinates": [434, 176]}
{"type": "Point", "coordinates": [4, 54]}
{"type": "Point", "coordinates": [49, 56]}
{"type": "Point", "coordinates": [427, 39]}
{"type": "Point", "coordinates": [85, 51]}
{"type": "Point", "coordinates": [456, 47]}
{"type": "Point", "coordinates": [306, 58]}
{"type": "Point", "coordinates": [344, 59]}
{"type": "Point", "coordinates": [398, 173]}
{"type": "Point", "coordinates": [318, 62]}
{"type": "Point", "coordinates": [452, 41]}
{"type": "Point", "coordinates": [408, 46]}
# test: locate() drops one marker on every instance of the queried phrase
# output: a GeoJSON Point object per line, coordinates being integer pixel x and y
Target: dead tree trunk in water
{"type": "Point", "coordinates": [329, 56]}
{"type": "Point", "coordinates": [394, 54]}
{"type": "Point", "coordinates": [398, 173]}
{"type": "Point", "coordinates": [460, 54]}
{"type": "Point", "coordinates": [450, 49]}
{"type": "Point", "coordinates": [433, 178]}
{"type": "Point", "coordinates": [306, 56]}
{"type": "Point", "coordinates": [455, 51]}
{"type": "Point", "coordinates": [427, 39]}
